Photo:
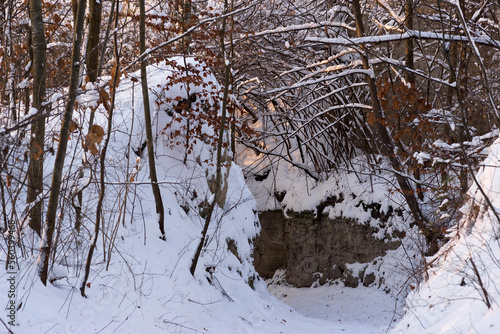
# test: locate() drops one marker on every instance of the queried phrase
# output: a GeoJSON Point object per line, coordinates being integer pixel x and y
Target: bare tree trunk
{"type": "Point", "coordinates": [27, 70]}
{"type": "Point", "coordinates": [484, 76]}
{"type": "Point", "coordinates": [231, 54]}
{"type": "Point", "coordinates": [186, 19]}
{"type": "Point", "coordinates": [388, 146]}
{"type": "Point", "coordinates": [466, 134]}
{"type": "Point", "coordinates": [95, 10]}
{"type": "Point", "coordinates": [149, 133]}
{"type": "Point", "coordinates": [9, 58]}
{"type": "Point", "coordinates": [35, 168]}
{"type": "Point", "coordinates": [410, 77]}
{"type": "Point", "coordinates": [92, 63]}
{"type": "Point", "coordinates": [182, 14]}
{"type": "Point", "coordinates": [74, 9]}
{"type": "Point", "coordinates": [4, 28]}
{"type": "Point", "coordinates": [94, 68]}
{"type": "Point", "coordinates": [46, 244]}
{"type": "Point", "coordinates": [218, 175]}
{"type": "Point", "coordinates": [102, 163]}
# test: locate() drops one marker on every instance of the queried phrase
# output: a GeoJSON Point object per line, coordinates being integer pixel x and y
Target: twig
{"type": "Point", "coordinates": [181, 326]}
{"type": "Point", "coordinates": [10, 332]}
{"type": "Point", "coordinates": [189, 31]}
{"type": "Point", "coordinates": [480, 282]}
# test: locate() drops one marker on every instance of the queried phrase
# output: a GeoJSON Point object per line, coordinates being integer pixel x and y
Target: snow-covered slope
{"type": "Point", "coordinates": [464, 277]}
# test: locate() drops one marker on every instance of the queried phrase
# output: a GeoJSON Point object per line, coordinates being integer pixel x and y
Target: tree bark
{"type": "Point", "coordinates": [147, 119]}
{"type": "Point", "coordinates": [182, 14]}
{"type": "Point", "coordinates": [95, 10]}
{"type": "Point", "coordinates": [36, 153]}
{"type": "Point", "coordinates": [409, 54]}
{"type": "Point", "coordinates": [50, 223]}
{"type": "Point", "coordinates": [93, 64]}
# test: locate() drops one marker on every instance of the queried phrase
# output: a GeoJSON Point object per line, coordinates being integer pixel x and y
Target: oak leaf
{"type": "Point", "coordinates": [74, 126]}
{"type": "Point", "coordinates": [94, 138]}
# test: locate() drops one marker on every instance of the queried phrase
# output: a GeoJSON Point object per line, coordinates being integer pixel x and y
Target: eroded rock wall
{"type": "Point", "coordinates": [269, 246]}
{"type": "Point", "coordinates": [314, 248]}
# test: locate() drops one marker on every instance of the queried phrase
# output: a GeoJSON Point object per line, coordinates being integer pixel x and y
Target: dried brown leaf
{"type": "Point", "coordinates": [94, 138]}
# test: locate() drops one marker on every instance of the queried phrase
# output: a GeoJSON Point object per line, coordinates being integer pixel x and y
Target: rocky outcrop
{"type": "Point", "coordinates": [312, 248]}
{"type": "Point", "coordinates": [269, 246]}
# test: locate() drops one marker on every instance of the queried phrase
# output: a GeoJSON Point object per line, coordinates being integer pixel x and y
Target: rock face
{"type": "Point", "coordinates": [311, 248]}
{"type": "Point", "coordinates": [269, 246]}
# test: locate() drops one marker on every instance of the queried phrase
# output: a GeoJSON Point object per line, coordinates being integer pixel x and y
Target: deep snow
{"type": "Point", "coordinates": [358, 310]}
{"type": "Point", "coordinates": [453, 300]}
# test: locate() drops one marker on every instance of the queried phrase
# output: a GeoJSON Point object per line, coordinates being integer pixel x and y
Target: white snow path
{"type": "Point", "coordinates": [353, 310]}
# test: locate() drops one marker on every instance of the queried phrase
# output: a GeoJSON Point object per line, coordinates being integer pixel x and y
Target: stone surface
{"type": "Point", "coordinates": [269, 246]}
{"type": "Point", "coordinates": [311, 248]}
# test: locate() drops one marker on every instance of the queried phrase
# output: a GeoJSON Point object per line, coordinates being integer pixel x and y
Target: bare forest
{"type": "Point", "coordinates": [406, 90]}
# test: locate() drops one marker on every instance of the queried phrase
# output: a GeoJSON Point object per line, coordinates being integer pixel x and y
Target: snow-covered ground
{"type": "Point", "coordinates": [350, 310]}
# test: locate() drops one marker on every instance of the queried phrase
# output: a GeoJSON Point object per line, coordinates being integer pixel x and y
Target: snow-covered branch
{"type": "Point", "coordinates": [484, 40]}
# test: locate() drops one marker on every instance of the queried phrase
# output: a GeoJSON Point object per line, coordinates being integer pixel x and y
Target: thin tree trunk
{"type": "Point", "coordinates": [410, 78]}
{"type": "Point", "coordinates": [27, 70]}
{"type": "Point", "coordinates": [95, 10]}
{"type": "Point", "coordinates": [388, 146]}
{"type": "Point", "coordinates": [93, 65]}
{"type": "Point", "coordinates": [186, 19]}
{"type": "Point", "coordinates": [74, 9]}
{"type": "Point", "coordinates": [149, 132]}
{"type": "Point", "coordinates": [484, 75]}
{"type": "Point", "coordinates": [409, 55]}
{"type": "Point", "coordinates": [35, 168]}
{"type": "Point", "coordinates": [233, 124]}
{"type": "Point", "coordinates": [10, 67]}
{"type": "Point", "coordinates": [182, 14]}
{"type": "Point", "coordinates": [218, 175]}
{"type": "Point", "coordinates": [4, 27]}
{"type": "Point", "coordinates": [466, 134]}
{"type": "Point", "coordinates": [111, 18]}
{"type": "Point", "coordinates": [103, 175]}
{"type": "Point", "coordinates": [46, 243]}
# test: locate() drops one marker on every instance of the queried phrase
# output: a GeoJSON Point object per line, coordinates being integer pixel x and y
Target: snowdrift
{"type": "Point", "coordinates": [462, 291]}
